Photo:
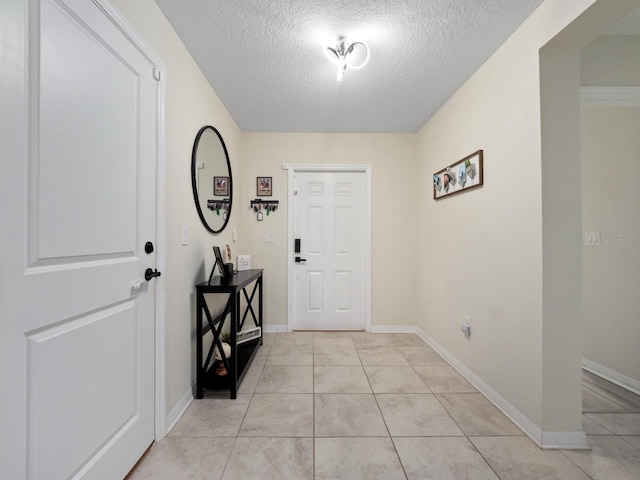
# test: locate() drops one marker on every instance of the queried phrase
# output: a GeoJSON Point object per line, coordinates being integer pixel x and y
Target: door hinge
{"type": "Point", "coordinates": [156, 74]}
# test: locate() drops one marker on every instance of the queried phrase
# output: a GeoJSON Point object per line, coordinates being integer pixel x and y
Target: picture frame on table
{"type": "Point", "coordinates": [219, 263]}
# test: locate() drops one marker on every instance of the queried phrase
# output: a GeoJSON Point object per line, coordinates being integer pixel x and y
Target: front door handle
{"type": "Point", "coordinates": [300, 260]}
{"type": "Point", "coordinates": [150, 273]}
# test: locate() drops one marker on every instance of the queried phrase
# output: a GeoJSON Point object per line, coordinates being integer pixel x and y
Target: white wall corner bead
{"type": "Point", "coordinates": [243, 262]}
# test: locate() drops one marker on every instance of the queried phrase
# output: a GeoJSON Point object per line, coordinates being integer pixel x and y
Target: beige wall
{"type": "Point", "coordinates": [395, 213]}
{"type": "Point", "coordinates": [482, 252]}
{"type": "Point", "coordinates": [561, 233]}
{"type": "Point", "coordinates": [610, 169]}
{"type": "Point", "coordinates": [611, 60]}
{"type": "Point", "coordinates": [190, 104]}
{"type": "Point", "coordinates": [610, 152]}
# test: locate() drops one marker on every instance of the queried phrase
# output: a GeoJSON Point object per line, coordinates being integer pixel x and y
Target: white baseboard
{"type": "Point", "coordinates": [177, 411]}
{"type": "Point", "coordinates": [393, 329]}
{"type": "Point", "coordinates": [564, 441]}
{"type": "Point", "coordinates": [275, 328]}
{"type": "Point", "coordinates": [612, 376]}
{"type": "Point", "coordinates": [374, 328]}
{"type": "Point", "coordinates": [545, 440]}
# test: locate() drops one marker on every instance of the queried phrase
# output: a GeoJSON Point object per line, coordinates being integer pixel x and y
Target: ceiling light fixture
{"type": "Point", "coordinates": [354, 55]}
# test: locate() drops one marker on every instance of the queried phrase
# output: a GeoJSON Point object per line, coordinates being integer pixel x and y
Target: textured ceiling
{"type": "Point", "coordinates": [265, 58]}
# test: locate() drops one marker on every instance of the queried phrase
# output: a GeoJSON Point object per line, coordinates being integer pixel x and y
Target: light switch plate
{"type": "Point", "coordinates": [269, 237]}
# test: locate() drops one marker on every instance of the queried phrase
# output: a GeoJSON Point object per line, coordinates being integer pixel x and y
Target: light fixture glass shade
{"type": "Point", "coordinates": [353, 55]}
{"type": "Point", "coordinates": [357, 55]}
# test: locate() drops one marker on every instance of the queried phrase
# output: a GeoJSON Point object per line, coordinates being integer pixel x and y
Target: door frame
{"type": "Point", "coordinates": [331, 168]}
{"type": "Point", "coordinates": [159, 73]}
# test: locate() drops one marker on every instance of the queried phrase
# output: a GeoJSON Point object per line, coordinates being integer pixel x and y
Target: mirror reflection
{"type": "Point", "coordinates": [211, 179]}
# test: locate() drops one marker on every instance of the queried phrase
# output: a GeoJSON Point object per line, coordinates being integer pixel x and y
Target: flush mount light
{"type": "Point", "coordinates": [353, 55]}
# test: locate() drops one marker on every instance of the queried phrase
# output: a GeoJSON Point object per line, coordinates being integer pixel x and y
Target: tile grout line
{"type": "Point", "coordinates": [574, 463]}
{"type": "Point", "coordinates": [455, 422]}
{"type": "Point", "coordinates": [236, 444]}
{"type": "Point", "coordinates": [386, 426]}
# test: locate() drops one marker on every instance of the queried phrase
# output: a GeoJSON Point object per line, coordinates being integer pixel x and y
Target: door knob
{"type": "Point", "coordinates": [150, 273]}
{"type": "Point", "coordinates": [300, 260]}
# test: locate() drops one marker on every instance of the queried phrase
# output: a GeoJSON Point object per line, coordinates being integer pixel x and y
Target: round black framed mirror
{"type": "Point", "coordinates": [211, 179]}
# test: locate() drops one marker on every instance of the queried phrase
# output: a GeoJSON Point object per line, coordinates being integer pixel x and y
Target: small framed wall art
{"type": "Point", "coordinates": [221, 186]}
{"type": "Point", "coordinates": [264, 186]}
{"type": "Point", "coordinates": [458, 177]}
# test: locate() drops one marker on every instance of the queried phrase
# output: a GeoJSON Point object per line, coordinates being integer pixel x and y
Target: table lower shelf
{"type": "Point", "coordinates": [245, 352]}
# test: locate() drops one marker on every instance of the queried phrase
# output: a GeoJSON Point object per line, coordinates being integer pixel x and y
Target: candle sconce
{"type": "Point", "coordinates": [258, 205]}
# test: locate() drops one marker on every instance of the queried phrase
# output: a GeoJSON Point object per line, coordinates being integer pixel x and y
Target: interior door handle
{"type": "Point", "coordinates": [150, 273]}
{"type": "Point", "coordinates": [300, 260]}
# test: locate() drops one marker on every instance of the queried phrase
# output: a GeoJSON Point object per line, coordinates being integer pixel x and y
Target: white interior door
{"type": "Point", "coordinates": [79, 187]}
{"type": "Point", "coordinates": [329, 280]}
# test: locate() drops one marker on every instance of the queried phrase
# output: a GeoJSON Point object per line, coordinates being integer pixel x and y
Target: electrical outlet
{"type": "Point", "coordinates": [592, 237]}
{"type": "Point", "coordinates": [269, 237]}
{"type": "Point", "coordinates": [466, 325]}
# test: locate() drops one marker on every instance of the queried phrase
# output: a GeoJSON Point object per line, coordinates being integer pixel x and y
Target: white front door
{"type": "Point", "coordinates": [329, 270]}
{"type": "Point", "coordinates": [78, 181]}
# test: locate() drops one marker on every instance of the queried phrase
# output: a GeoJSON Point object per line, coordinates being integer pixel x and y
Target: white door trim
{"type": "Point", "coordinates": [292, 170]}
{"type": "Point", "coordinates": [160, 245]}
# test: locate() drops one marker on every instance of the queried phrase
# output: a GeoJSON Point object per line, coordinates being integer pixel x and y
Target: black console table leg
{"type": "Point", "coordinates": [235, 304]}
{"type": "Point", "coordinates": [260, 308]}
{"type": "Point", "coordinates": [199, 367]}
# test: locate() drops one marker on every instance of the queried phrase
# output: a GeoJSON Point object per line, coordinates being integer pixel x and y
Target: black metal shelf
{"type": "Point", "coordinates": [241, 354]}
{"type": "Point", "coordinates": [245, 353]}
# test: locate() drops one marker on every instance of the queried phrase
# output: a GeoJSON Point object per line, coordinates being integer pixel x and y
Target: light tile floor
{"type": "Point", "coordinates": [332, 406]}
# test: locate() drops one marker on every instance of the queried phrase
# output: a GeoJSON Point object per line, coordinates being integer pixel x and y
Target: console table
{"type": "Point", "coordinates": [241, 355]}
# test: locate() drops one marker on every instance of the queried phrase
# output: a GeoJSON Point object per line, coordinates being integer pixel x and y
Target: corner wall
{"type": "Point", "coordinates": [481, 250]}
{"type": "Point", "coordinates": [610, 152]}
{"type": "Point", "coordinates": [484, 252]}
{"type": "Point", "coordinates": [561, 233]}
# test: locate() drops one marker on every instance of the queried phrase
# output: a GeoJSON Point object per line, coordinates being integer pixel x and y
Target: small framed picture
{"type": "Point", "coordinates": [221, 186]}
{"type": "Point", "coordinates": [265, 187]}
{"type": "Point", "coordinates": [218, 264]}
